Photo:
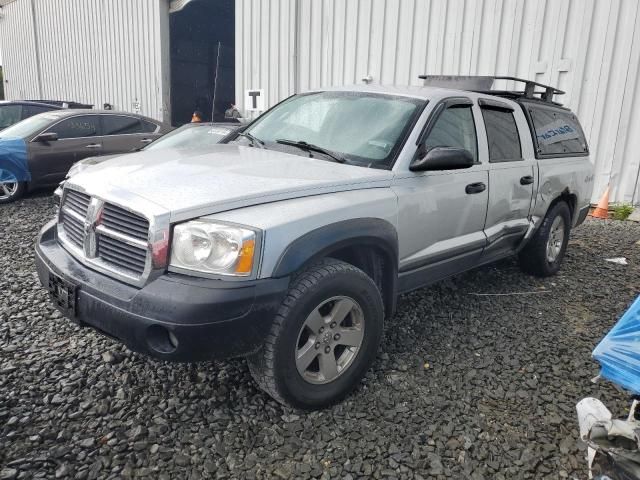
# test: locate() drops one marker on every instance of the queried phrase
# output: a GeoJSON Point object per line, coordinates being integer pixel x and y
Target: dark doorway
{"type": "Point", "coordinates": [202, 60]}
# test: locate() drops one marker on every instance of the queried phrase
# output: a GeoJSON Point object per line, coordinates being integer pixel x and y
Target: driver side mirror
{"type": "Point", "coordinates": [441, 158]}
{"type": "Point", "coordinates": [47, 137]}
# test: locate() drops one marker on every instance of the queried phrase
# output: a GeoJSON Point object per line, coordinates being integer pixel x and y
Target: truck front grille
{"type": "Point", "coordinates": [77, 202]}
{"type": "Point", "coordinates": [125, 222]}
{"type": "Point", "coordinates": [73, 227]}
{"type": "Point", "coordinates": [104, 235]}
{"type": "Point", "coordinates": [121, 255]}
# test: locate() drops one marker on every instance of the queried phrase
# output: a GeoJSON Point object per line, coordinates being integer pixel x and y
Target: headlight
{"type": "Point", "coordinates": [210, 247]}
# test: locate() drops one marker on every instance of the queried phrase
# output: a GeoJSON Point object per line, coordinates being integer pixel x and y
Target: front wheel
{"type": "Point", "coordinates": [10, 188]}
{"type": "Point", "coordinates": [544, 253]}
{"type": "Point", "coordinates": [324, 336]}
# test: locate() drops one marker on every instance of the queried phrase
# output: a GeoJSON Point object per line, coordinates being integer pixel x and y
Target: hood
{"type": "Point", "coordinates": [96, 160]}
{"type": "Point", "coordinates": [195, 182]}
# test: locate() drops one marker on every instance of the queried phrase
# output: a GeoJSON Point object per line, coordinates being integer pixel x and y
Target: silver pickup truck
{"type": "Point", "coordinates": [290, 243]}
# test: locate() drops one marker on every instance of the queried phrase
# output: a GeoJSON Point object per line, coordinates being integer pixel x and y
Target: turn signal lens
{"type": "Point", "coordinates": [245, 259]}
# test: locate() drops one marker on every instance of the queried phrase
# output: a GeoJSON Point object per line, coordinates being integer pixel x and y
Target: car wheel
{"type": "Point", "coordinates": [324, 337]}
{"type": "Point", "coordinates": [544, 253]}
{"type": "Point", "coordinates": [10, 188]}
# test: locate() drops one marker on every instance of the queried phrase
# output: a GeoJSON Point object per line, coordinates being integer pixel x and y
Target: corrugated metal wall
{"type": "Point", "coordinates": [92, 51]}
{"type": "Point", "coordinates": [590, 48]}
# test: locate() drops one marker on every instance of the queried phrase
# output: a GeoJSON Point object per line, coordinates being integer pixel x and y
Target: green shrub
{"type": "Point", "coordinates": [621, 211]}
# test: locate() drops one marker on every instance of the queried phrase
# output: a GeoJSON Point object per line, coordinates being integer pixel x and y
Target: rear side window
{"type": "Point", "coordinates": [502, 135]}
{"type": "Point", "coordinates": [557, 132]}
{"type": "Point", "coordinates": [454, 128]}
{"type": "Point", "coordinates": [148, 127]}
{"type": "Point", "coordinates": [77, 127]}
{"type": "Point", "coordinates": [120, 125]}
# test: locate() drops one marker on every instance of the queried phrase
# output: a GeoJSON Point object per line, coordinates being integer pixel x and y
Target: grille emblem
{"type": "Point", "coordinates": [91, 222]}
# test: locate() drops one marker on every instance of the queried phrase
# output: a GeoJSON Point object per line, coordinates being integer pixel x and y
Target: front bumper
{"type": "Point", "coordinates": [174, 317]}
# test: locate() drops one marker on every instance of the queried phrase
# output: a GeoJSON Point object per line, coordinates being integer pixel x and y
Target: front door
{"type": "Point", "coordinates": [441, 214]}
{"type": "Point", "coordinates": [511, 180]}
{"type": "Point", "coordinates": [78, 137]}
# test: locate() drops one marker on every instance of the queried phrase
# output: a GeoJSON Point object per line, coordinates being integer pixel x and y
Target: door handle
{"type": "Point", "coordinates": [93, 145]}
{"type": "Point", "coordinates": [146, 140]}
{"type": "Point", "coordinates": [526, 180]}
{"type": "Point", "coordinates": [475, 187]}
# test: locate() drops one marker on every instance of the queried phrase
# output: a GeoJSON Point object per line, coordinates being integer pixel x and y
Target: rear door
{"type": "Point", "coordinates": [78, 137]}
{"type": "Point", "coordinates": [441, 214]}
{"type": "Point", "coordinates": [512, 179]}
{"type": "Point", "coordinates": [124, 133]}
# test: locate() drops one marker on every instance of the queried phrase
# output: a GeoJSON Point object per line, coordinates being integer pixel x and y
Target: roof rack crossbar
{"type": "Point", "coordinates": [484, 84]}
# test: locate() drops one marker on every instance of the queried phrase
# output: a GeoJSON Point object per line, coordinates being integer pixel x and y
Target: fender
{"type": "Point", "coordinates": [359, 232]}
{"type": "Point", "coordinates": [13, 160]}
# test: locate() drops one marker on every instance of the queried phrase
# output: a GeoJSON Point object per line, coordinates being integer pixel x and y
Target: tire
{"type": "Point", "coordinates": [535, 258]}
{"type": "Point", "coordinates": [10, 189]}
{"type": "Point", "coordinates": [327, 288]}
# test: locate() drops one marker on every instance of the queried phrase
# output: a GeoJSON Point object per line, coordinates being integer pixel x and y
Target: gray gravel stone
{"type": "Point", "coordinates": [464, 386]}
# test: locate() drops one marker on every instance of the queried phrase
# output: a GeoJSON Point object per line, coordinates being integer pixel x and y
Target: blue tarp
{"type": "Point", "coordinates": [13, 160]}
{"type": "Point", "coordinates": [619, 351]}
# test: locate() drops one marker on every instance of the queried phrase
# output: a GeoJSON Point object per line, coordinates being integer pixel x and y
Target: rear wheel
{"type": "Point", "coordinates": [324, 337]}
{"type": "Point", "coordinates": [544, 253]}
{"type": "Point", "coordinates": [10, 188]}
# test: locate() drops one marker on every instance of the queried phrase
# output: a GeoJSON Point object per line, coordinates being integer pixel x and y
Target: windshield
{"type": "Point", "coordinates": [191, 135]}
{"type": "Point", "coordinates": [29, 126]}
{"type": "Point", "coordinates": [364, 128]}
{"type": "Point", "coordinates": [9, 115]}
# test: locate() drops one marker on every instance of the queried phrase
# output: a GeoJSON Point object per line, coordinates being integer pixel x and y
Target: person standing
{"type": "Point", "coordinates": [196, 117]}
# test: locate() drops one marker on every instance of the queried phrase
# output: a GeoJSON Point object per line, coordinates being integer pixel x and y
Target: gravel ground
{"type": "Point", "coordinates": [465, 386]}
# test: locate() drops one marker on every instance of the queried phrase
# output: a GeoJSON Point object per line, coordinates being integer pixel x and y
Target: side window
{"type": "Point", "coordinates": [120, 125]}
{"type": "Point", "coordinates": [148, 127]}
{"type": "Point", "coordinates": [10, 114]}
{"type": "Point", "coordinates": [77, 127]}
{"type": "Point", "coordinates": [557, 132]}
{"type": "Point", "coordinates": [31, 110]}
{"type": "Point", "coordinates": [454, 128]}
{"type": "Point", "coordinates": [502, 135]}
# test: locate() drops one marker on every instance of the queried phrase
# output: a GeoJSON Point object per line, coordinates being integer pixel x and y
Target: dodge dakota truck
{"type": "Point", "coordinates": [290, 243]}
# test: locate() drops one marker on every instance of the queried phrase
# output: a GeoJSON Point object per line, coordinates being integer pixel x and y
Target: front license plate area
{"type": "Point", "coordinates": [64, 294]}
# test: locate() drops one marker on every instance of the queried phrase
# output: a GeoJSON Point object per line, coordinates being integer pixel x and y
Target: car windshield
{"type": "Point", "coordinates": [191, 135]}
{"type": "Point", "coordinates": [9, 115]}
{"type": "Point", "coordinates": [29, 126]}
{"type": "Point", "coordinates": [361, 127]}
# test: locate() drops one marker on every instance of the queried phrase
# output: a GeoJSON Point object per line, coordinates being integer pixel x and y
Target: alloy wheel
{"type": "Point", "coordinates": [329, 340]}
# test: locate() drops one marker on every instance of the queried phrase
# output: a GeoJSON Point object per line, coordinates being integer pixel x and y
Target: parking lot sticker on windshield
{"type": "Point", "coordinates": [219, 131]}
{"type": "Point", "coordinates": [13, 161]}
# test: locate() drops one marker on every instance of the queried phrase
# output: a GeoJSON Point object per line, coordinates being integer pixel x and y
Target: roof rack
{"type": "Point", "coordinates": [484, 84]}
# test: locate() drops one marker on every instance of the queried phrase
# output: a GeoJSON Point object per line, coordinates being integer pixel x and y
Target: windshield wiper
{"type": "Point", "coordinates": [254, 140]}
{"type": "Point", "coordinates": [310, 147]}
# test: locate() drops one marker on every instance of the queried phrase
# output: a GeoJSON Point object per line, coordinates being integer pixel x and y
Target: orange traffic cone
{"type": "Point", "coordinates": [602, 210]}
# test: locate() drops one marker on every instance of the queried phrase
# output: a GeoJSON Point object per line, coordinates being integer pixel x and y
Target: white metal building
{"type": "Point", "coordinates": [589, 48]}
{"type": "Point", "coordinates": [155, 56]}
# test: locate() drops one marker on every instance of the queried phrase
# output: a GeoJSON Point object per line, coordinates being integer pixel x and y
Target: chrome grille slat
{"type": "Point", "coordinates": [124, 227]}
{"type": "Point", "coordinates": [135, 254]}
{"type": "Point", "coordinates": [121, 262]}
{"type": "Point", "coordinates": [79, 202]}
{"type": "Point", "coordinates": [126, 222]}
{"type": "Point", "coordinates": [105, 235]}
{"type": "Point", "coordinates": [73, 229]}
